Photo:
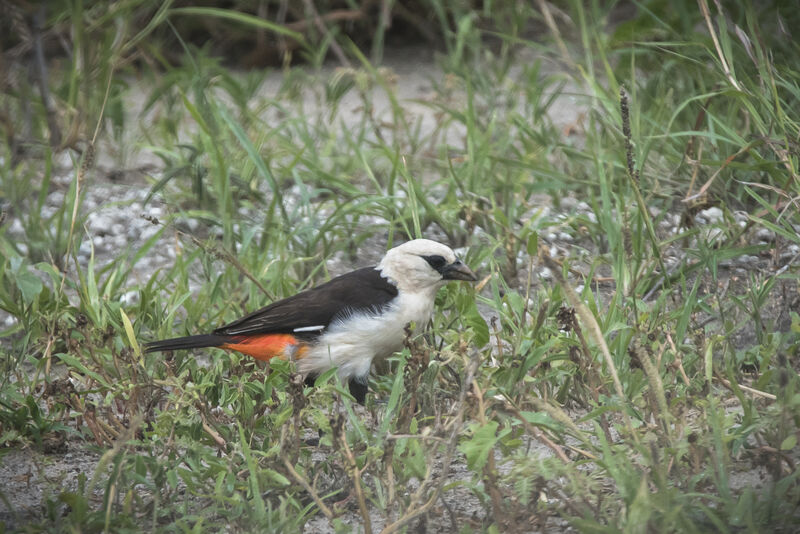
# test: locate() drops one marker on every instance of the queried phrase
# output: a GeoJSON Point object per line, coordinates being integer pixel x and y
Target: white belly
{"type": "Point", "coordinates": [353, 342]}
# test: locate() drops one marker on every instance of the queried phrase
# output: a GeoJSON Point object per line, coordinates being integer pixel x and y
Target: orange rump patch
{"type": "Point", "coordinates": [267, 346]}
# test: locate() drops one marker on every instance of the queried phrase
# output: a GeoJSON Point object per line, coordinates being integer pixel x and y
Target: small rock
{"type": "Point", "coordinates": [100, 222]}
{"type": "Point", "coordinates": [569, 203]}
{"type": "Point", "coordinates": [740, 216]}
{"type": "Point", "coordinates": [712, 215]}
{"type": "Point", "coordinates": [747, 259]}
{"type": "Point", "coordinates": [56, 198]}
{"type": "Point", "coordinates": [765, 235]}
{"type": "Point", "coordinates": [16, 227]}
{"type": "Point", "coordinates": [148, 232]}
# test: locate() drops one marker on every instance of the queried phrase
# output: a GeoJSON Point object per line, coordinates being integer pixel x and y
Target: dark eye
{"type": "Point", "coordinates": [437, 262]}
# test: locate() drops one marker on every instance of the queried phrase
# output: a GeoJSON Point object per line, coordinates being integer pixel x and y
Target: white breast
{"type": "Point", "coordinates": [353, 342]}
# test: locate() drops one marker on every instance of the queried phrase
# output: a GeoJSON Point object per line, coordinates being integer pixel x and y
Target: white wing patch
{"type": "Point", "coordinates": [316, 328]}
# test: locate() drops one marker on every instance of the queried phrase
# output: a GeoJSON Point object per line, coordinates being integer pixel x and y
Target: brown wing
{"type": "Point", "coordinates": [360, 290]}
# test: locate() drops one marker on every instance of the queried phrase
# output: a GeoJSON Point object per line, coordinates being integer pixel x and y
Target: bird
{"type": "Point", "coordinates": [346, 322]}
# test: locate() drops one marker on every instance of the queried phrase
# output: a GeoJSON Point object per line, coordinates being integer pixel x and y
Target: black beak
{"type": "Point", "coordinates": [458, 271]}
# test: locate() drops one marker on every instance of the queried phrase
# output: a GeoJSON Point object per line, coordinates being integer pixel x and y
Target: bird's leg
{"type": "Point", "coordinates": [358, 388]}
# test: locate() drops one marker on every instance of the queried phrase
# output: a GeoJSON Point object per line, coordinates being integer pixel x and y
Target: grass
{"type": "Point", "coordinates": [622, 368]}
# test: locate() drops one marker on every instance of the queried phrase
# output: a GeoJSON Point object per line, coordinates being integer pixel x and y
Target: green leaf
{"type": "Point", "coordinates": [30, 286]}
{"type": "Point", "coordinates": [259, 510]}
{"type": "Point", "coordinates": [129, 332]}
{"type": "Point", "coordinates": [476, 322]}
{"type": "Point", "coordinates": [533, 243]}
{"type": "Point", "coordinates": [276, 477]}
{"type": "Point", "coordinates": [478, 447]}
{"type": "Point", "coordinates": [75, 363]}
{"type": "Point", "coordinates": [242, 18]}
{"type": "Point", "coordinates": [789, 443]}
{"type": "Point", "coordinates": [172, 478]}
{"type": "Point", "coordinates": [541, 419]}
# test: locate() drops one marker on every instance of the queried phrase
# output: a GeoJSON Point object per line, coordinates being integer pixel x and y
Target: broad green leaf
{"type": "Point", "coordinates": [30, 286]}
{"type": "Point", "coordinates": [480, 444]}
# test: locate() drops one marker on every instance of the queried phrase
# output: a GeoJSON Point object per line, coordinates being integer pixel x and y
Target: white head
{"type": "Point", "coordinates": [423, 265]}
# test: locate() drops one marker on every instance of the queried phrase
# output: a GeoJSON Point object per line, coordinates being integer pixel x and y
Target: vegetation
{"type": "Point", "coordinates": [629, 362]}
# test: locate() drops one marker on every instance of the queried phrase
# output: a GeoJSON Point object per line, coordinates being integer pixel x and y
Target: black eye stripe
{"type": "Point", "coordinates": [436, 261]}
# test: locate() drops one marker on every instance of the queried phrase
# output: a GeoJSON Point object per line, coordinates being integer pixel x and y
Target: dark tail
{"type": "Point", "coordinates": [188, 342]}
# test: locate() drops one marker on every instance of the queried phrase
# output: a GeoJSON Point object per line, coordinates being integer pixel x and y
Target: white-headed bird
{"type": "Point", "coordinates": [347, 322]}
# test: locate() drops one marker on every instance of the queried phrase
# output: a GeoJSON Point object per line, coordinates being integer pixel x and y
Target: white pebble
{"type": "Point", "coordinates": [569, 203]}
{"type": "Point", "coordinates": [765, 235]}
{"type": "Point", "coordinates": [148, 232]}
{"type": "Point", "coordinates": [747, 260]}
{"type": "Point", "coordinates": [16, 227]}
{"type": "Point", "coordinates": [711, 215]}
{"type": "Point", "coordinates": [100, 222]}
